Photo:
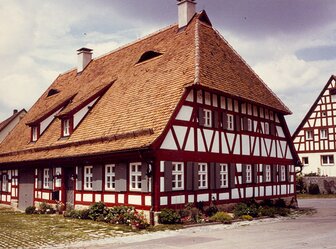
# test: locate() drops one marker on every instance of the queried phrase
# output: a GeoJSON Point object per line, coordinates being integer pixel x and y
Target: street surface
{"type": "Point", "coordinates": [307, 231]}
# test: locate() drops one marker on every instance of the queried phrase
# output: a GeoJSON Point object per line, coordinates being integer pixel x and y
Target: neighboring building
{"type": "Point", "coordinates": [315, 137]}
{"type": "Point", "coordinates": [174, 118]}
{"type": "Point", "coordinates": [7, 125]}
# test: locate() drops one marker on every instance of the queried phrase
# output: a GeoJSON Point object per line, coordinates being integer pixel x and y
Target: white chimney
{"type": "Point", "coordinates": [186, 11]}
{"type": "Point", "coordinates": [84, 58]}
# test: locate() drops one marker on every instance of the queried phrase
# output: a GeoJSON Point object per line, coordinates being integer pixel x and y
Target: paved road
{"type": "Point", "coordinates": [308, 231]}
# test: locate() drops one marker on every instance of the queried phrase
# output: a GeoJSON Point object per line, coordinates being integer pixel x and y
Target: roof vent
{"type": "Point", "coordinates": [186, 11]}
{"type": "Point", "coordinates": [15, 111]}
{"type": "Point", "coordinates": [84, 58]}
{"type": "Point", "coordinates": [148, 55]}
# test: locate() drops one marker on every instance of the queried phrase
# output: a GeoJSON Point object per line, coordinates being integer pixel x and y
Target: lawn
{"type": "Point", "coordinates": [309, 196]}
{"type": "Point", "coordinates": [18, 230]}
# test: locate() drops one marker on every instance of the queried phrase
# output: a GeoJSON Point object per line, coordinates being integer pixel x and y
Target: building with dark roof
{"type": "Point", "coordinates": [8, 124]}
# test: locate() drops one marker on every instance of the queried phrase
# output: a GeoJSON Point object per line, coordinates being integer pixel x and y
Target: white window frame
{"type": "Point", "coordinates": [224, 175]}
{"type": "Point", "coordinates": [110, 177]}
{"type": "Point", "coordinates": [324, 134]}
{"type": "Point", "coordinates": [230, 122]}
{"type": "Point", "coordinates": [282, 173]}
{"type": "Point", "coordinates": [303, 160]}
{"type": "Point", "coordinates": [248, 173]}
{"type": "Point", "coordinates": [135, 177]}
{"type": "Point", "coordinates": [330, 160]}
{"type": "Point", "coordinates": [46, 178]}
{"type": "Point", "coordinates": [202, 176]}
{"type": "Point", "coordinates": [268, 173]}
{"type": "Point", "coordinates": [309, 135]}
{"type": "Point", "coordinates": [88, 177]}
{"type": "Point", "coordinates": [207, 118]}
{"type": "Point", "coordinates": [34, 133]}
{"type": "Point", "coordinates": [4, 183]}
{"type": "Point", "coordinates": [178, 176]}
{"type": "Point", "coordinates": [266, 128]}
{"type": "Point", "coordinates": [66, 127]}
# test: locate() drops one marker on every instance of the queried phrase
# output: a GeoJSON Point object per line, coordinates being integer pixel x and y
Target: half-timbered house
{"type": "Point", "coordinates": [8, 124]}
{"type": "Point", "coordinates": [174, 118]}
{"type": "Point", "coordinates": [314, 139]}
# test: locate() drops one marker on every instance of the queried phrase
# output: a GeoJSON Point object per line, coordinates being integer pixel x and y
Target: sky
{"type": "Point", "coordinates": [290, 44]}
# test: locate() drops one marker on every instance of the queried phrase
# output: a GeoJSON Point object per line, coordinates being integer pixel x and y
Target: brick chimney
{"type": "Point", "coordinates": [186, 11]}
{"type": "Point", "coordinates": [84, 58]}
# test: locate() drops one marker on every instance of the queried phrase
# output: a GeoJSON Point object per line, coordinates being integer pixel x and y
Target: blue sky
{"type": "Point", "coordinates": [291, 44]}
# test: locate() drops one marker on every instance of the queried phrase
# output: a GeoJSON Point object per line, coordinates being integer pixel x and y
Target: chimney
{"type": "Point", "coordinates": [84, 58]}
{"type": "Point", "coordinates": [186, 11]}
{"type": "Point", "coordinates": [15, 111]}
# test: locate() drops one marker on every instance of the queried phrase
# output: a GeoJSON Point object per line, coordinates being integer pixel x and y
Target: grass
{"type": "Point", "coordinates": [309, 196]}
{"type": "Point", "coordinates": [18, 230]}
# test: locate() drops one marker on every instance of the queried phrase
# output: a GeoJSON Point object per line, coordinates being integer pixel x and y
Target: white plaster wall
{"type": "Point", "coordinates": [78, 116]}
{"type": "Point", "coordinates": [184, 113]}
{"type": "Point", "coordinates": [315, 164]}
{"type": "Point", "coordinates": [8, 128]}
{"type": "Point", "coordinates": [45, 123]}
{"type": "Point", "coordinates": [134, 199]}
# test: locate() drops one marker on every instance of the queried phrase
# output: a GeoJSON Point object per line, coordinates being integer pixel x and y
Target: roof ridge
{"type": "Point", "coordinates": [249, 67]}
{"type": "Point", "coordinates": [197, 53]}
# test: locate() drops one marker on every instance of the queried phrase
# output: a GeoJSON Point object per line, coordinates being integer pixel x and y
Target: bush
{"type": "Point", "coordinates": [247, 217]}
{"type": "Point", "coordinates": [280, 203]}
{"type": "Point", "coordinates": [45, 208]}
{"type": "Point", "coordinates": [313, 189]}
{"type": "Point", "coordinates": [30, 210]}
{"type": "Point", "coordinates": [243, 209]}
{"type": "Point", "coordinates": [268, 211]}
{"type": "Point", "coordinates": [169, 216]}
{"type": "Point", "coordinates": [120, 215]}
{"type": "Point", "coordinates": [221, 217]}
{"type": "Point", "coordinates": [267, 203]}
{"type": "Point", "coordinates": [78, 214]}
{"type": "Point", "coordinates": [283, 211]}
{"type": "Point", "coordinates": [98, 211]}
{"type": "Point", "coordinates": [210, 211]}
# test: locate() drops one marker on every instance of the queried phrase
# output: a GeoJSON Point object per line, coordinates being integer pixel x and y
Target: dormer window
{"type": "Point", "coordinates": [66, 127]}
{"type": "Point", "coordinates": [148, 56]}
{"type": "Point", "coordinates": [34, 133]}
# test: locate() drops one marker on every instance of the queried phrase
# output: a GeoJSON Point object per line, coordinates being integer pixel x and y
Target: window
{"type": "Point", "coordinates": [305, 160]}
{"type": "Point", "coordinates": [66, 127]}
{"type": "Point", "coordinates": [135, 176]}
{"type": "Point", "coordinates": [230, 124]}
{"type": "Point", "coordinates": [202, 176]}
{"type": "Point", "coordinates": [268, 173]}
{"type": "Point", "coordinates": [110, 177]}
{"type": "Point", "coordinates": [148, 55]}
{"type": "Point", "coordinates": [249, 124]}
{"type": "Point", "coordinates": [177, 176]}
{"type": "Point", "coordinates": [266, 128]}
{"type": "Point", "coordinates": [207, 118]}
{"type": "Point", "coordinates": [87, 177]}
{"type": "Point", "coordinates": [223, 175]}
{"type": "Point", "coordinates": [4, 182]}
{"type": "Point", "coordinates": [34, 133]}
{"type": "Point", "coordinates": [309, 135]}
{"type": "Point", "coordinates": [327, 159]}
{"type": "Point", "coordinates": [282, 173]}
{"type": "Point", "coordinates": [46, 179]}
{"type": "Point", "coordinates": [323, 134]}
{"type": "Point", "coordinates": [248, 173]}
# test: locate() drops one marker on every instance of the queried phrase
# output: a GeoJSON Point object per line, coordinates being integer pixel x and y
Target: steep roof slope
{"type": "Point", "coordinates": [142, 97]}
{"type": "Point", "coordinates": [4, 123]}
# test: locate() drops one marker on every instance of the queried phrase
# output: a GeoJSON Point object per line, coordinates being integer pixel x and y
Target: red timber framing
{"type": "Point", "coordinates": [316, 135]}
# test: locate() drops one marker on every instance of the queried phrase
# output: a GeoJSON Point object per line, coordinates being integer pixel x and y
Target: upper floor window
{"type": "Point", "coordinates": [202, 176]}
{"type": "Point", "coordinates": [110, 176]}
{"type": "Point", "coordinates": [207, 118]}
{"type": "Point", "coordinates": [177, 176]}
{"type": "Point", "coordinates": [87, 177]}
{"type": "Point", "coordinates": [248, 173]}
{"type": "Point", "coordinates": [249, 124]}
{"type": "Point", "coordinates": [327, 159]}
{"type": "Point", "coordinates": [266, 128]}
{"type": "Point", "coordinates": [267, 173]}
{"type": "Point", "coordinates": [324, 134]}
{"type": "Point", "coordinates": [66, 127]}
{"type": "Point", "coordinates": [135, 176]}
{"type": "Point", "coordinates": [283, 173]}
{"type": "Point", "coordinates": [309, 135]}
{"type": "Point", "coordinates": [223, 176]}
{"type": "Point", "coordinates": [34, 133]}
{"type": "Point", "coordinates": [46, 178]}
{"type": "Point", "coordinates": [305, 160]}
{"type": "Point", "coordinates": [230, 122]}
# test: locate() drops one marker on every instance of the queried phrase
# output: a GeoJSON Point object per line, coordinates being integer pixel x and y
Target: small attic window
{"type": "Point", "coordinates": [52, 92]}
{"type": "Point", "coordinates": [148, 56]}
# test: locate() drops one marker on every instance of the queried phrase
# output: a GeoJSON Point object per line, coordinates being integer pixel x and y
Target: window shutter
{"type": "Point", "coordinates": [232, 176]}
{"type": "Point", "coordinates": [144, 177]}
{"type": "Point", "coordinates": [168, 169]}
{"type": "Point", "coordinates": [201, 119]}
{"type": "Point", "coordinates": [216, 121]}
{"type": "Point", "coordinates": [212, 175]}
{"type": "Point", "coordinates": [225, 121]}
{"type": "Point", "coordinates": [264, 172]}
{"type": "Point", "coordinates": [272, 129]}
{"type": "Point", "coordinates": [195, 176]}
{"type": "Point", "coordinates": [189, 173]}
{"type": "Point", "coordinates": [51, 177]}
{"type": "Point", "coordinates": [288, 173]}
{"type": "Point", "coordinates": [274, 173]}
{"type": "Point", "coordinates": [79, 179]}
{"type": "Point", "coordinates": [245, 124]}
{"type": "Point", "coordinates": [237, 122]}
{"type": "Point", "coordinates": [121, 177]}
{"type": "Point", "coordinates": [97, 177]}
{"type": "Point", "coordinates": [217, 175]}
{"type": "Point", "coordinates": [255, 173]}
{"type": "Point", "coordinates": [244, 173]}
{"type": "Point", "coordinates": [39, 178]}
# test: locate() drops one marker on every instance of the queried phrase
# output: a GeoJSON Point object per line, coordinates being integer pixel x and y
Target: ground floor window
{"type": "Point", "coordinates": [327, 159]}
{"type": "Point", "coordinates": [223, 175]}
{"type": "Point", "coordinates": [46, 178]}
{"type": "Point", "coordinates": [283, 173]}
{"type": "Point", "coordinates": [305, 160]}
{"type": "Point", "coordinates": [248, 173]}
{"type": "Point", "coordinates": [177, 176]}
{"type": "Point", "coordinates": [4, 182]}
{"type": "Point", "coordinates": [135, 176]}
{"type": "Point", "coordinates": [110, 177]}
{"type": "Point", "coordinates": [267, 173]}
{"type": "Point", "coordinates": [87, 177]}
{"type": "Point", "coordinates": [202, 176]}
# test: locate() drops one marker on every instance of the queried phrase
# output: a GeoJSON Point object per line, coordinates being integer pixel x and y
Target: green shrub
{"type": "Point", "coordinates": [30, 210]}
{"type": "Point", "coordinates": [267, 203]}
{"type": "Point", "coordinates": [169, 216]}
{"type": "Point", "coordinates": [45, 208]}
{"type": "Point", "coordinates": [247, 217]}
{"type": "Point", "coordinates": [280, 203]}
{"type": "Point", "coordinates": [98, 211]}
{"type": "Point", "coordinates": [268, 211]}
{"type": "Point", "coordinates": [78, 214]}
{"type": "Point", "coordinates": [221, 217]}
{"type": "Point", "coordinates": [243, 209]}
{"type": "Point", "coordinates": [283, 211]}
{"type": "Point", "coordinates": [120, 214]}
{"type": "Point", "coordinates": [210, 211]}
{"type": "Point", "coordinates": [313, 189]}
